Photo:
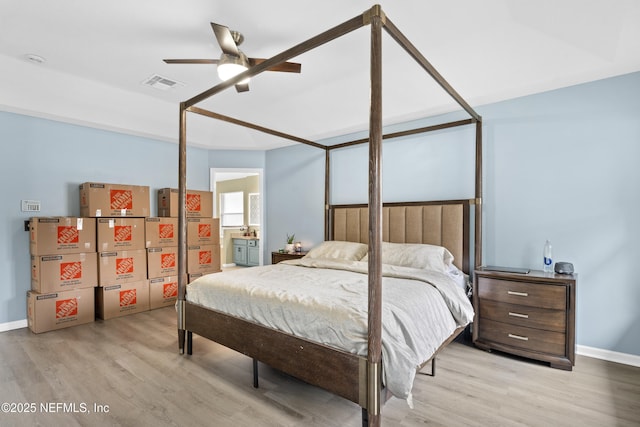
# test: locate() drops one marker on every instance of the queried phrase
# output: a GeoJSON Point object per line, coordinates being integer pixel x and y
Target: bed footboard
{"type": "Point", "coordinates": [334, 370]}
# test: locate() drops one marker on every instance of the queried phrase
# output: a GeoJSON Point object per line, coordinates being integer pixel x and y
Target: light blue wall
{"type": "Point", "coordinates": [47, 160]}
{"type": "Point", "coordinates": [560, 165]}
{"type": "Point", "coordinates": [236, 159]}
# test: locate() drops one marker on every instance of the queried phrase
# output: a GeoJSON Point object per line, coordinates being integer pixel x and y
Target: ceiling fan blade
{"type": "Point", "coordinates": [191, 61]}
{"type": "Point", "coordinates": [287, 67]}
{"type": "Point", "coordinates": [225, 39]}
{"type": "Point", "coordinates": [244, 87]}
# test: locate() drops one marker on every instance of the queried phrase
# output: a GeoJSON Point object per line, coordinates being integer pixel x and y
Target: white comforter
{"type": "Point", "coordinates": [326, 301]}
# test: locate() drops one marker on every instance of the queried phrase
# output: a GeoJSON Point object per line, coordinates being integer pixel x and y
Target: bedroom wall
{"type": "Point", "coordinates": [560, 165]}
{"type": "Point", "coordinates": [46, 160]}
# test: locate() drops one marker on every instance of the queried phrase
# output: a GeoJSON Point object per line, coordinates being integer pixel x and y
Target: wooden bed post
{"type": "Point", "coordinates": [374, 355]}
{"type": "Point", "coordinates": [327, 194]}
{"type": "Point", "coordinates": [182, 226]}
{"type": "Point", "coordinates": [478, 207]}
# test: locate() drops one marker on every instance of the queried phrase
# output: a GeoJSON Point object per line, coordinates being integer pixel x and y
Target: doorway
{"type": "Point", "coordinates": [250, 182]}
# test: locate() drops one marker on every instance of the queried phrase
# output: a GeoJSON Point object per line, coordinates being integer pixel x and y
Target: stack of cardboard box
{"type": "Point", "coordinates": [162, 260]}
{"type": "Point", "coordinates": [119, 212]}
{"type": "Point", "coordinates": [115, 259]}
{"type": "Point", "coordinates": [64, 272]}
{"type": "Point", "coordinates": [203, 231]}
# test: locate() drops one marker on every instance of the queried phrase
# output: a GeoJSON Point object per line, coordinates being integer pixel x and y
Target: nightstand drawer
{"type": "Point", "coordinates": [552, 343]}
{"type": "Point", "coordinates": [522, 315]}
{"type": "Point", "coordinates": [520, 293]}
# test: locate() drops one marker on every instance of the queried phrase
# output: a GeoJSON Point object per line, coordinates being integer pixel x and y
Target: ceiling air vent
{"type": "Point", "coordinates": [161, 83]}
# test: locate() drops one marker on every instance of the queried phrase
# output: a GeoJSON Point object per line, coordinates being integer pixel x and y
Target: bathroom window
{"type": "Point", "coordinates": [232, 209]}
{"type": "Point", "coordinates": [254, 208]}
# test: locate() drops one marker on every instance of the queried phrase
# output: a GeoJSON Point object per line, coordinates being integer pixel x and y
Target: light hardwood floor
{"type": "Point", "coordinates": [130, 366]}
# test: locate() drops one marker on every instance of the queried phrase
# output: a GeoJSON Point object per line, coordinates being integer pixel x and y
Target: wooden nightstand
{"type": "Point", "coordinates": [530, 315]}
{"type": "Point", "coordinates": [276, 257]}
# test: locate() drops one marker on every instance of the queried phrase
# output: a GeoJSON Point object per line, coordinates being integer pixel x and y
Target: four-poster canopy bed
{"type": "Point", "coordinates": [356, 377]}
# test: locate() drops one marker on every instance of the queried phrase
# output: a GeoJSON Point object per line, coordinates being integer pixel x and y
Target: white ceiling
{"type": "Point", "coordinates": [98, 53]}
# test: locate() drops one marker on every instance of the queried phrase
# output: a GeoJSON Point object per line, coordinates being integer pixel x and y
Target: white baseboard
{"type": "Point", "coordinates": [9, 326]}
{"type": "Point", "coordinates": [608, 355]}
{"type": "Point", "coordinates": [233, 264]}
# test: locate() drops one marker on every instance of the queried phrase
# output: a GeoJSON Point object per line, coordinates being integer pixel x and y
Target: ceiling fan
{"type": "Point", "coordinates": [233, 61]}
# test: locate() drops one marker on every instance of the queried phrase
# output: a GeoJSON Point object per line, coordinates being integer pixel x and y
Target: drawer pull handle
{"type": "Point", "coordinates": [518, 294]}
{"type": "Point", "coordinates": [523, 316]}
{"type": "Point", "coordinates": [519, 337]}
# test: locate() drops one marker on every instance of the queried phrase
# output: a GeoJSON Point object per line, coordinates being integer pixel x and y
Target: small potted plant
{"type": "Point", "coordinates": [290, 247]}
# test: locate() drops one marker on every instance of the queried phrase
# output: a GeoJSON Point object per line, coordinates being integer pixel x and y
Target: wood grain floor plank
{"type": "Point", "coordinates": [130, 366]}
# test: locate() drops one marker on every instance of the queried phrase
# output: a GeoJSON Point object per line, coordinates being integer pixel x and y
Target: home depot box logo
{"type": "Point", "coordinates": [170, 290]}
{"type": "Point", "coordinates": [193, 202]}
{"type": "Point", "coordinates": [204, 230]}
{"type": "Point", "coordinates": [67, 234]}
{"type": "Point", "coordinates": [165, 231]}
{"type": "Point", "coordinates": [124, 265]}
{"type": "Point", "coordinates": [70, 270]}
{"type": "Point", "coordinates": [121, 199]}
{"type": "Point", "coordinates": [122, 233]}
{"type": "Point", "coordinates": [128, 297]}
{"type": "Point", "coordinates": [204, 257]}
{"type": "Point", "coordinates": [66, 308]}
{"type": "Point", "coordinates": [168, 260]}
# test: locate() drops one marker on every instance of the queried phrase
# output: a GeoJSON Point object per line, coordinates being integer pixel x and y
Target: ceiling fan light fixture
{"type": "Point", "coordinates": [230, 66]}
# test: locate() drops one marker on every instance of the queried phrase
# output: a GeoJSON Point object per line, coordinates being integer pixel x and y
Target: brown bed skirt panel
{"type": "Point", "coordinates": [435, 223]}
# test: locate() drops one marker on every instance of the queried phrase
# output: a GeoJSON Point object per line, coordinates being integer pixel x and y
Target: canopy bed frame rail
{"type": "Point", "coordinates": [192, 320]}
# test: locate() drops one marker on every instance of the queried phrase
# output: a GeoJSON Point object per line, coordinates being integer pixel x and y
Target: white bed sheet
{"type": "Point", "coordinates": [326, 301]}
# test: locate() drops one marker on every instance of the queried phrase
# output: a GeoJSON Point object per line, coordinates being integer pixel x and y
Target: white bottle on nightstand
{"type": "Point", "coordinates": [547, 258]}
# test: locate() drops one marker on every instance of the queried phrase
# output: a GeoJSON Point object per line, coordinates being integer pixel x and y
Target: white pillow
{"type": "Point", "coordinates": [336, 249]}
{"type": "Point", "coordinates": [416, 255]}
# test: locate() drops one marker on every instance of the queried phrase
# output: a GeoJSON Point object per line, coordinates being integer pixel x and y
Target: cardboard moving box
{"type": "Point", "coordinates": [163, 291]}
{"type": "Point", "coordinates": [203, 259]}
{"type": "Point", "coordinates": [55, 273]}
{"type": "Point", "coordinates": [162, 262]}
{"type": "Point", "coordinates": [48, 312]}
{"type": "Point", "coordinates": [119, 234]}
{"type": "Point", "coordinates": [199, 204]}
{"type": "Point", "coordinates": [203, 231]}
{"type": "Point", "coordinates": [122, 299]}
{"type": "Point", "coordinates": [122, 267]}
{"type": "Point", "coordinates": [114, 200]}
{"type": "Point", "coordinates": [61, 235]}
{"type": "Point", "coordinates": [161, 232]}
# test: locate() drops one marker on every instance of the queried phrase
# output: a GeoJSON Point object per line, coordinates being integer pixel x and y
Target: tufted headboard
{"type": "Point", "coordinates": [442, 223]}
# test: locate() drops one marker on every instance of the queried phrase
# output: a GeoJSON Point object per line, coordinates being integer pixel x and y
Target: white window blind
{"type": "Point", "coordinates": [232, 209]}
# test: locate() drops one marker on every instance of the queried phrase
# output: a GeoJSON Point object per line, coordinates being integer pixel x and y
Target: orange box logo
{"type": "Point", "coordinates": [128, 297]}
{"type": "Point", "coordinates": [66, 308]}
{"type": "Point", "coordinates": [204, 230]}
{"type": "Point", "coordinates": [122, 233]}
{"type": "Point", "coordinates": [121, 199]}
{"type": "Point", "coordinates": [168, 260]}
{"type": "Point", "coordinates": [67, 234]}
{"type": "Point", "coordinates": [70, 270]}
{"type": "Point", "coordinates": [193, 202]}
{"type": "Point", "coordinates": [124, 265]}
{"type": "Point", "coordinates": [170, 290]}
{"type": "Point", "coordinates": [165, 231]}
{"type": "Point", "coordinates": [204, 257]}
